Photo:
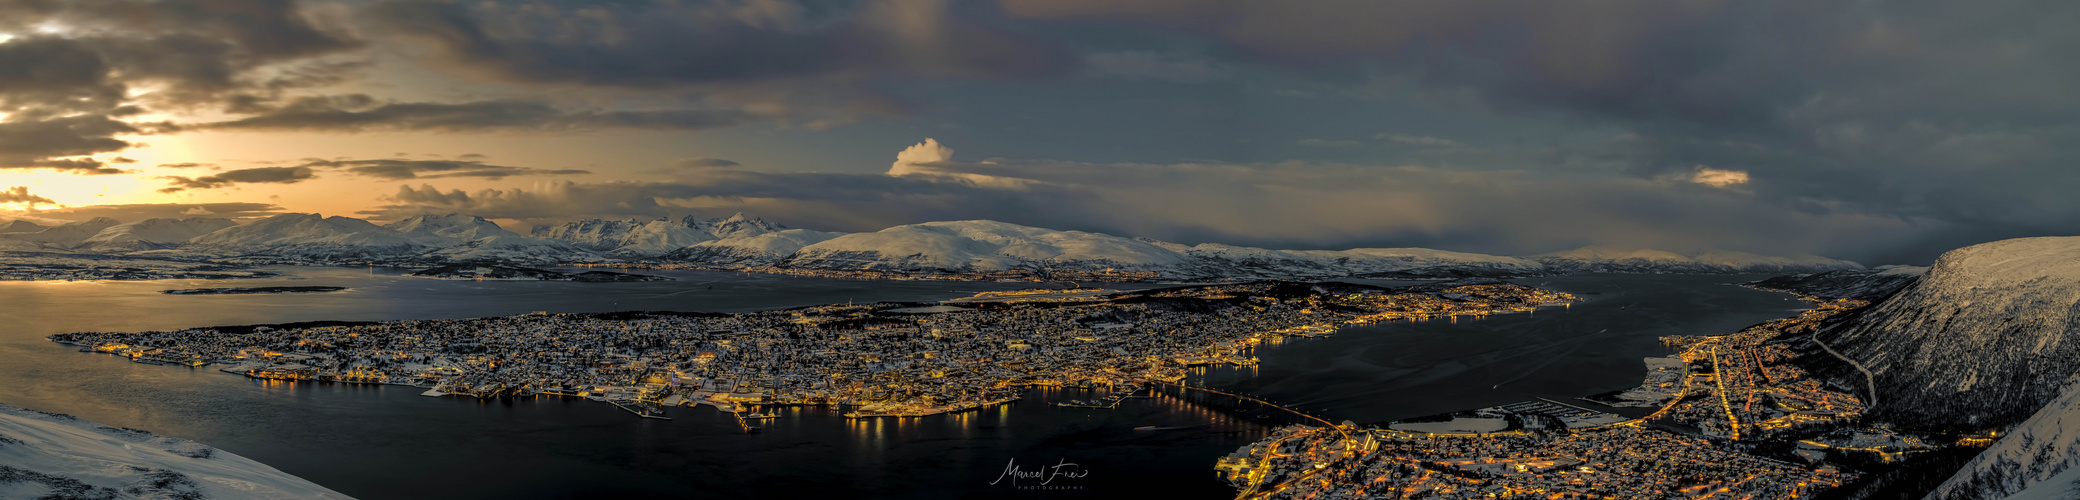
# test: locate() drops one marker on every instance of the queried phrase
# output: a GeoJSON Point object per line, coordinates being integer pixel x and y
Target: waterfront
{"type": "Point", "coordinates": [1403, 369]}
{"type": "Point", "coordinates": [548, 447]}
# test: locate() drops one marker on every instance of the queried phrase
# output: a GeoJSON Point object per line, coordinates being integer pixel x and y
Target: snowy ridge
{"type": "Point", "coordinates": [753, 251]}
{"type": "Point", "coordinates": [1989, 338]}
{"type": "Point", "coordinates": [452, 226]}
{"type": "Point", "coordinates": [46, 455]}
{"type": "Point", "coordinates": [316, 236]}
{"type": "Point", "coordinates": [627, 237]}
{"type": "Point", "coordinates": [65, 236]}
{"type": "Point", "coordinates": [1597, 259]}
{"type": "Point", "coordinates": [979, 246]}
{"type": "Point", "coordinates": [741, 241]}
{"type": "Point", "coordinates": [1861, 284]}
{"type": "Point", "coordinates": [20, 226]}
{"type": "Point", "coordinates": [153, 234]}
{"type": "Point", "coordinates": [2036, 459]}
{"type": "Point", "coordinates": [1985, 339]}
{"type": "Point", "coordinates": [473, 239]}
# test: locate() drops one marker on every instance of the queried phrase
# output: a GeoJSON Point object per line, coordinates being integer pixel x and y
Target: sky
{"type": "Point", "coordinates": [1873, 130]}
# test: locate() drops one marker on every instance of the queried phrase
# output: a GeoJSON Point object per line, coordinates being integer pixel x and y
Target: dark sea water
{"type": "Point", "coordinates": [389, 442]}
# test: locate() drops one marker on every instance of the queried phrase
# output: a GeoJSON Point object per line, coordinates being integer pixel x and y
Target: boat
{"type": "Point", "coordinates": [758, 416]}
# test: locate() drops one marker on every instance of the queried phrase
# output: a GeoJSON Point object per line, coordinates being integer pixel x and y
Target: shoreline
{"type": "Point", "coordinates": [291, 367]}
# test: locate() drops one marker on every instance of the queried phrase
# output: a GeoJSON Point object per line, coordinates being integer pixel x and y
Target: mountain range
{"type": "Point", "coordinates": [744, 242]}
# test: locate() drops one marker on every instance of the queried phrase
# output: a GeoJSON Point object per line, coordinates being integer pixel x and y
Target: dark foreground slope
{"type": "Point", "coordinates": [1988, 339]}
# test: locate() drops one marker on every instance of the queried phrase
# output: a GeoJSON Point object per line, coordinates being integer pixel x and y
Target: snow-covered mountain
{"type": "Point", "coordinates": [153, 234]}
{"type": "Point", "coordinates": [318, 237]}
{"type": "Point", "coordinates": [981, 246]}
{"type": "Point", "coordinates": [1988, 338]}
{"type": "Point", "coordinates": [473, 239]}
{"type": "Point", "coordinates": [1861, 284]}
{"type": "Point", "coordinates": [65, 236]}
{"type": "Point", "coordinates": [741, 241]}
{"type": "Point", "coordinates": [753, 251]}
{"type": "Point", "coordinates": [631, 237]}
{"type": "Point", "coordinates": [1364, 262]}
{"type": "Point", "coordinates": [985, 246]}
{"type": "Point", "coordinates": [456, 227]}
{"type": "Point", "coordinates": [47, 455]}
{"type": "Point", "coordinates": [1596, 259]}
{"type": "Point", "coordinates": [736, 226]}
{"type": "Point", "coordinates": [20, 226]}
{"type": "Point", "coordinates": [1985, 339]}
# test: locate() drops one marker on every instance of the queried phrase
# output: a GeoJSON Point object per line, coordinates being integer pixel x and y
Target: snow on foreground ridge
{"type": "Point", "coordinates": [1986, 338]}
{"type": "Point", "coordinates": [60, 456]}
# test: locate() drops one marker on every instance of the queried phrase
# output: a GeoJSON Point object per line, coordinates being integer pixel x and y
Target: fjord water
{"type": "Point", "coordinates": [388, 442]}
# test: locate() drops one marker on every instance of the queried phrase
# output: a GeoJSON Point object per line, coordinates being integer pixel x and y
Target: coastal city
{"type": "Point", "coordinates": [877, 360]}
{"type": "Point", "coordinates": [1733, 416]}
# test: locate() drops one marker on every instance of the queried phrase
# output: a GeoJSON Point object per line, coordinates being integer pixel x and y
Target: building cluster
{"type": "Point", "coordinates": [1610, 462]}
{"type": "Point", "coordinates": [38, 267]}
{"type": "Point", "coordinates": [1012, 275]}
{"type": "Point", "coordinates": [886, 359]}
{"type": "Point", "coordinates": [1739, 418]}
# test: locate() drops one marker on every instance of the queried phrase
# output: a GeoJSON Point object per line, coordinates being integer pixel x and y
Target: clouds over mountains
{"type": "Point", "coordinates": [1519, 211]}
{"type": "Point", "coordinates": [1830, 127]}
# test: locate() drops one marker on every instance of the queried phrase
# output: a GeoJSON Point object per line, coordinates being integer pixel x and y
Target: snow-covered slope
{"type": "Point", "coordinates": [1985, 339]}
{"type": "Point", "coordinates": [754, 251]}
{"type": "Point", "coordinates": [2036, 459]}
{"type": "Point", "coordinates": [1862, 284]}
{"type": "Point", "coordinates": [980, 246]}
{"type": "Point", "coordinates": [1420, 262]}
{"type": "Point", "coordinates": [512, 249]}
{"type": "Point", "coordinates": [1751, 263]}
{"type": "Point", "coordinates": [153, 233]}
{"type": "Point", "coordinates": [738, 226]}
{"type": "Point", "coordinates": [473, 239]}
{"type": "Point", "coordinates": [65, 236]}
{"type": "Point", "coordinates": [629, 237]}
{"type": "Point", "coordinates": [1595, 259]}
{"type": "Point", "coordinates": [456, 227]}
{"type": "Point", "coordinates": [741, 241]}
{"type": "Point", "coordinates": [44, 455]}
{"type": "Point", "coordinates": [20, 226]}
{"type": "Point", "coordinates": [316, 236]}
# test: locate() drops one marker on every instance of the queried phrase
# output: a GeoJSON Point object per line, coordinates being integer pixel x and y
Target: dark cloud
{"type": "Point", "coordinates": [259, 175]}
{"type": "Point", "coordinates": [43, 143]}
{"type": "Point", "coordinates": [1934, 111]}
{"type": "Point", "coordinates": [1290, 204]}
{"type": "Point", "coordinates": [430, 169]}
{"type": "Point", "coordinates": [359, 112]}
{"type": "Point", "coordinates": [74, 71]}
{"type": "Point", "coordinates": [187, 165]}
{"type": "Point", "coordinates": [648, 45]}
{"type": "Point", "coordinates": [20, 194]}
{"type": "Point", "coordinates": [1143, 65]}
{"type": "Point", "coordinates": [704, 163]}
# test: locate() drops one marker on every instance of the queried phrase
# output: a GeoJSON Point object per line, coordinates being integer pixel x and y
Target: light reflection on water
{"type": "Point", "coordinates": [342, 435]}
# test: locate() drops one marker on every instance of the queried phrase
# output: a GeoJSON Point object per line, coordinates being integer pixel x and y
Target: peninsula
{"type": "Point", "coordinates": [884, 359]}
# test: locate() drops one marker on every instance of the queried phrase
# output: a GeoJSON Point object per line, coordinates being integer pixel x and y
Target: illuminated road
{"type": "Point", "coordinates": [1256, 480]}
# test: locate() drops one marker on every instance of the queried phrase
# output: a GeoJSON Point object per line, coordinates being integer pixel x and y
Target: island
{"type": "Point", "coordinates": [882, 360]}
{"type": "Point", "coordinates": [481, 272]}
{"type": "Point", "coordinates": [254, 290]}
{"type": "Point", "coordinates": [52, 266]}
